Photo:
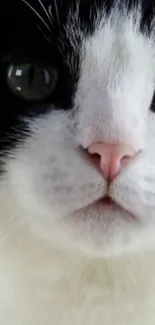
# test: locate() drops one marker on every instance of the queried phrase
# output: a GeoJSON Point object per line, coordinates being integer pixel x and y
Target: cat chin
{"type": "Point", "coordinates": [93, 232]}
{"type": "Point", "coordinates": [109, 239]}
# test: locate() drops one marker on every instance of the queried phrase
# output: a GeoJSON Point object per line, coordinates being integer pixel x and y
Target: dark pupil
{"type": "Point", "coordinates": [31, 74]}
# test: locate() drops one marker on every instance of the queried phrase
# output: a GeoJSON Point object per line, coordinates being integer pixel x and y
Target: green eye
{"type": "Point", "coordinates": [31, 81]}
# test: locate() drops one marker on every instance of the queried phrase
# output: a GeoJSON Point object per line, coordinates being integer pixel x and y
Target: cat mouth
{"type": "Point", "coordinates": [109, 204]}
{"type": "Point", "coordinates": [106, 202]}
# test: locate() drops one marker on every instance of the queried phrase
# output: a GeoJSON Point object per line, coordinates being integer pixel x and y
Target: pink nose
{"type": "Point", "coordinates": [111, 157]}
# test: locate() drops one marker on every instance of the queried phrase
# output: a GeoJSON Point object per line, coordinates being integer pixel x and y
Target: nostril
{"type": "Point", "coordinates": [96, 159]}
{"type": "Point", "coordinates": [125, 160]}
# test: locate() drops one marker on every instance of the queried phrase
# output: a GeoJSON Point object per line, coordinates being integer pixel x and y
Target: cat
{"type": "Point", "coordinates": [77, 162]}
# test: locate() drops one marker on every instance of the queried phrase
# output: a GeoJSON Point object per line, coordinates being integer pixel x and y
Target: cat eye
{"type": "Point", "coordinates": [31, 81]}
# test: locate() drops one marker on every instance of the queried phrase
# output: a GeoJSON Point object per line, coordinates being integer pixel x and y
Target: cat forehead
{"type": "Point", "coordinates": [121, 33]}
{"type": "Point", "coordinates": [69, 24]}
{"type": "Point", "coordinates": [102, 26]}
{"type": "Point", "coordinates": [81, 18]}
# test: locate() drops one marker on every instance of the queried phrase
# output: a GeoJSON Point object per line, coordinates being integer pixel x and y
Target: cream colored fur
{"type": "Point", "coordinates": [44, 285]}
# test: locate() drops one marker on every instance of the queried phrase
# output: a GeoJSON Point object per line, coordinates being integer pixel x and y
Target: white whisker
{"type": "Point", "coordinates": [46, 12]}
{"type": "Point", "coordinates": [43, 34]}
{"type": "Point", "coordinates": [56, 10]}
{"type": "Point", "coordinates": [50, 10]}
{"type": "Point", "coordinates": [37, 14]}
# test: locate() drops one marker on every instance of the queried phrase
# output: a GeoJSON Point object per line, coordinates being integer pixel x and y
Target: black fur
{"type": "Point", "coordinates": [21, 38]}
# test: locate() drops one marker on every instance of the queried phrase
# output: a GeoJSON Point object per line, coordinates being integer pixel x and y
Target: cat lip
{"type": "Point", "coordinates": [108, 202]}
{"type": "Point", "coordinates": [105, 204]}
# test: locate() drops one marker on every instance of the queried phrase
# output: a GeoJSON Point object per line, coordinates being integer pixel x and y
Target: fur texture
{"type": "Point", "coordinates": [63, 259]}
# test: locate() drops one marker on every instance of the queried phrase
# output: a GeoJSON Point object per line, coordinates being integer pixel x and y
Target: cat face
{"type": "Point", "coordinates": [74, 74]}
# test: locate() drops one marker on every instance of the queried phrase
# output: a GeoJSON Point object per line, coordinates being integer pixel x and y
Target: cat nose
{"type": "Point", "coordinates": [111, 157]}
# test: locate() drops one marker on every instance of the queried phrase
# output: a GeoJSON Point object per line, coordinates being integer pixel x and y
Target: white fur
{"type": "Point", "coordinates": [63, 262]}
